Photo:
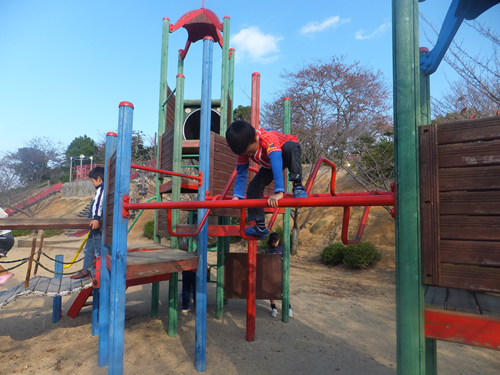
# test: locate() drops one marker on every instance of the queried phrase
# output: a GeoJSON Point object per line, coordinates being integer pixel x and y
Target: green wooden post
{"type": "Point", "coordinates": [409, 288]}
{"type": "Point", "coordinates": [173, 289]}
{"type": "Point", "coordinates": [223, 242]}
{"type": "Point", "coordinates": [285, 273]}
{"type": "Point", "coordinates": [155, 287]}
{"type": "Point", "coordinates": [225, 77]}
{"type": "Point", "coordinates": [425, 115]}
{"type": "Point", "coordinates": [230, 91]}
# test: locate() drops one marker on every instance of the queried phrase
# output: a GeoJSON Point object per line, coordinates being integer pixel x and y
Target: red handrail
{"type": "Point", "coordinates": [314, 173]}
{"type": "Point", "coordinates": [161, 171]}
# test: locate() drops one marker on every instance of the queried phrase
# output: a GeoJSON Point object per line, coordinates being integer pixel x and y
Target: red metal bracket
{"type": "Point", "coordinates": [97, 276]}
{"type": "Point", "coordinates": [125, 211]}
{"type": "Point", "coordinates": [362, 224]}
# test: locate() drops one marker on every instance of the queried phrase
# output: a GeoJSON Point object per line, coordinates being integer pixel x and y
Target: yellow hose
{"type": "Point", "coordinates": [78, 252]}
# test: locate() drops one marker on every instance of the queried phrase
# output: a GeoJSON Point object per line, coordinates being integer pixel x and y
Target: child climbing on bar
{"type": "Point", "coordinates": [93, 245]}
{"type": "Point", "coordinates": [274, 246]}
{"type": "Point", "coordinates": [274, 151]}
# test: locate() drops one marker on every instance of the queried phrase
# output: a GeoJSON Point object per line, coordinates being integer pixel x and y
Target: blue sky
{"type": "Point", "coordinates": [65, 65]}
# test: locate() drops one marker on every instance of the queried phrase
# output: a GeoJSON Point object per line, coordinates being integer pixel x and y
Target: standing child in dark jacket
{"type": "Point", "coordinates": [275, 247]}
{"type": "Point", "coordinates": [274, 151]}
{"type": "Point", "coordinates": [93, 245]}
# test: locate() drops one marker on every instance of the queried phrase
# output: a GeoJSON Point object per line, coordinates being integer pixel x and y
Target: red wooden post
{"type": "Point", "coordinates": [252, 288]}
{"type": "Point", "coordinates": [252, 245]}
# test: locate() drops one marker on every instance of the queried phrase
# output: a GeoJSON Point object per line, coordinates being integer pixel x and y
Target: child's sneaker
{"type": "Point", "coordinates": [185, 311]}
{"type": "Point", "coordinates": [274, 313]}
{"type": "Point", "coordinates": [299, 192]}
{"type": "Point", "coordinates": [4, 276]}
{"type": "Point", "coordinates": [290, 313]}
{"type": "Point", "coordinates": [255, 231]}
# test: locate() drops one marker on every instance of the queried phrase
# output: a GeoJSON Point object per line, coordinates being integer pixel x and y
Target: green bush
{"type": "Point", "coordinates": [149, 229]}
{"type": "Point", "coordinates": [333, 254]}
{"type": "Point", "coordinates": [53, 232]}
{"type": "Point", "coordinates": [361, 255]}
{"type": "Point", "coordinates": [21, 232]}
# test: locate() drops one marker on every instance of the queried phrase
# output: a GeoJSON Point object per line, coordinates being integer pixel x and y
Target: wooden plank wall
{"type": "Point", "coordinates": [269, 281]}
{"type": "Point", "coordinates": [170, 110]}
{"type": "Point", "coordinates": [460, 204]}
{"type": "Point", "coordinates": [110, 201]}
{"type": "Point", "coordinates": [167, 150]}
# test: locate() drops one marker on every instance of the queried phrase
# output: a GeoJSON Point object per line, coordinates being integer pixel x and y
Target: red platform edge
{"type": "Point", "coordinates": [463, 328]}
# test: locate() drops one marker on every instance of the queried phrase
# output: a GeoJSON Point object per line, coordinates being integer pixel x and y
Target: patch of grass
{"type": "Point", "coordinates": [21, 232]}
{"type": "Point", "coordinates": [53, 232]}
{"type": "Point", "coordinates": [149, 229]}
{"type": "Point", "coordinates": [333, 254]}
{"type": "Point", "coordinates": [361, 255]}
{"type": "Point", "coordinates": [358, 256]}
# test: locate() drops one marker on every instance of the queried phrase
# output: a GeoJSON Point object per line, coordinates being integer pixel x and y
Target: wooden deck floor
{"type": "Point", "coordinates": [459, 300]}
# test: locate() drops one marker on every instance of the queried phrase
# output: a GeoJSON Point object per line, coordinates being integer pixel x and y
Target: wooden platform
{"type": "Point", "coordinates": [152, 260]}
{"type": "Point", "coordinates": [463, 316]}
{"type": "Point", "coordinates": [460, 300]}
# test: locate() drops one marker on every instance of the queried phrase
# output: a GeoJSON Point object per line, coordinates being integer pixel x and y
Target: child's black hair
{"type": "Point", "coordinates": [239, 136]}
{"type": "Point", "coordinates": [97, 172]}
{"type": "Point", "coordinates": [273, 237]}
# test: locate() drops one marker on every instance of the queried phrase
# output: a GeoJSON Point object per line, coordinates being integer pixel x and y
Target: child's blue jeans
{"type": "Point", "coordinates": [188, 286]}
{"type": "Point", "coordinates": [92, 249]}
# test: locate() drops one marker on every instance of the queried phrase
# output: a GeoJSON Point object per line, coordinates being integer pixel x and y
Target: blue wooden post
{"type": "Point", "coordinates": [95, 312]}
{"type": "Point", "coordinates": [201, 273]}
{"type": "Point", "coordinates": [104, 283]}
{"type": "Point", "coordinates": [119, 248]}
{"type": "Point", "coordinates": [56, 301]}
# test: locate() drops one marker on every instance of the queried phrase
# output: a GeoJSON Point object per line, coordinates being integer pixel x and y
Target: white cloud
{"type": "Point", "coordinates": [360, 34]}
{"type": "Point", "coordinates": [255, 44]}
{"type": "Point", "coordinates": [314, 27]}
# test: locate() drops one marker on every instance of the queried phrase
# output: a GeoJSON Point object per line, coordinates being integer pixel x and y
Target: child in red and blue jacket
{"type": "Point", "coordinates": [274, 151]}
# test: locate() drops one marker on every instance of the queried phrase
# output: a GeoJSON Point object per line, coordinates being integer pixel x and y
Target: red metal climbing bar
{"type": "Point", "coordinates": [336, 201]}
{"type": "Point", "coordinates": [149, 169]}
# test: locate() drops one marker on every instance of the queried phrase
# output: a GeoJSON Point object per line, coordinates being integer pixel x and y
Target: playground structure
{"type": "Point", "coordinates": [416, 341]}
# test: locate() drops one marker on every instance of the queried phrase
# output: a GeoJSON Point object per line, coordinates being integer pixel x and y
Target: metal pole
{"type": "Point", "coordinates": [409, 289]}
{"type": "Point", "coordinates": [285, 273]}
{"type": "Point", "coordinates": [91, 162]}
{"type": "Point", "coordinates": [104, 282]}
{"type": "Point", "coordinates": [201, 273]}
{"type": "Point", "coordinates": [119, 249]}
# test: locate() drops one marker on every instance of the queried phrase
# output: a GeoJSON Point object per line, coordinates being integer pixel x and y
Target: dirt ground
{"type": "Point", "coordinates": [343, 323]}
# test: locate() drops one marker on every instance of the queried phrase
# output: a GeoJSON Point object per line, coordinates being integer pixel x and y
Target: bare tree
{"type": "Point", "coordinates": [478, 91]}
{"type": "Point", "coordinates": [27, 172]}
{"type": "Point", "coordinates": [333, 104]}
